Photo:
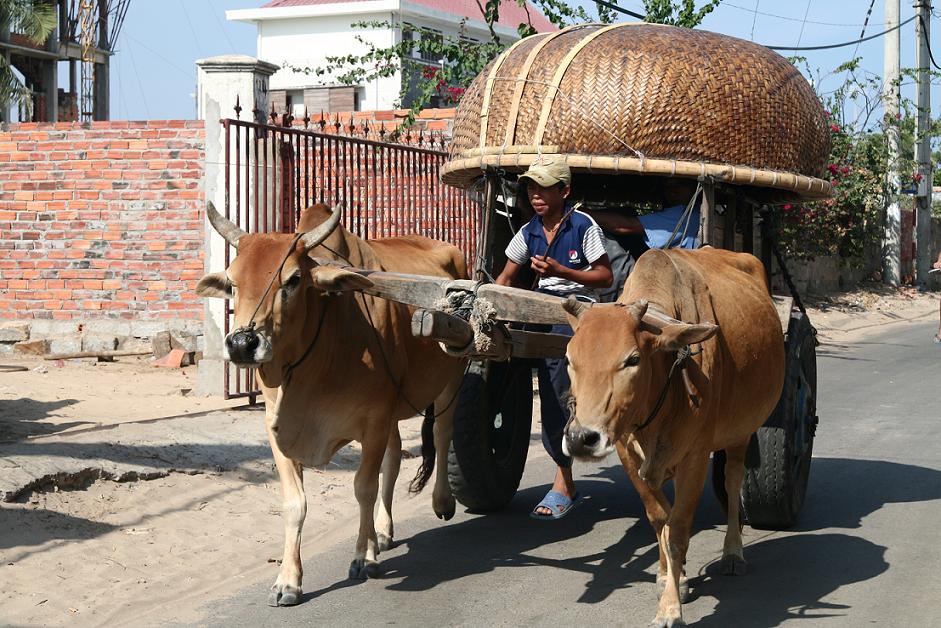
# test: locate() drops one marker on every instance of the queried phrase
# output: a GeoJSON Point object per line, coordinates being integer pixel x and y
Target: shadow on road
{"type": "Point", "coordinates": [789, 575]}
{"type": "Point", "coordinates": [23, 418]}
{"type": "Point", "coordinates": [787, 579]}
{"type": "Point", "coordinates": [32, 527]}
{"type": "Point", "coordinates": [843, 491]}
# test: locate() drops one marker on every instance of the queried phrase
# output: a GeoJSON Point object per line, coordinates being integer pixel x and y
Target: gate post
{"type": "Point", "coordinates": [220, 80]}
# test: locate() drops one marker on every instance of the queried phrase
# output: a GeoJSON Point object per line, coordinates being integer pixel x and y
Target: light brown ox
{"type": "Point", "coordinates": [336, 366]}
{"type": "Point", "coordinates": [619, 360]}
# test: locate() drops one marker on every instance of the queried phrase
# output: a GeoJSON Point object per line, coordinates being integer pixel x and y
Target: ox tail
{"type": "Point", "coordinates": [427, 452]}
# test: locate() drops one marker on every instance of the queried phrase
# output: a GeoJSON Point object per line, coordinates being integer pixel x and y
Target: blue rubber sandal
{"type": "Point", "coordinates": [557, 503]}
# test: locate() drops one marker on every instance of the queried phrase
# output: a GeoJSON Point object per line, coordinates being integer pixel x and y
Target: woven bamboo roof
{"type": "Point", "coordinates": [645, 99]}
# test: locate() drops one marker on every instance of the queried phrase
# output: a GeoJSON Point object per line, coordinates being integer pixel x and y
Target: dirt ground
{"type": "Point", "coordinates": [199, 507]}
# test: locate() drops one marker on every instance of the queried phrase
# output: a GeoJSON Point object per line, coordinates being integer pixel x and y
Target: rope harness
{"type": "Point", "coordinates": [250, 328]}
{"type": "Point", "coordinates": [682, 356]}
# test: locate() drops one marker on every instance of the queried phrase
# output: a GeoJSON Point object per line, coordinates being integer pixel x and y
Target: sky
{"type": "Point", "coordinates": [154, 71]}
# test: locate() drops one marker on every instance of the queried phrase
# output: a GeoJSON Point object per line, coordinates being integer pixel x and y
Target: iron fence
{"type": "Point", "coordinates": [387, 183]}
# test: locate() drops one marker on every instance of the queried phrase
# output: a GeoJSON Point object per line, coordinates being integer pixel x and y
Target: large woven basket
{"type": "Point", "coordinates": [645, 99]}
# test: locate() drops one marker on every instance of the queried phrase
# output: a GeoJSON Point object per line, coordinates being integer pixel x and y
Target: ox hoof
{"type": "Point", "coordinates": [668, 622]}
{"type": "Point", "coordinates": [284, 595]}
{"type": "Point", "coordinates": [361, 569]}
{"type": "Point", "coordinates": [447, 511]}
{"type": "Point", "coordinates": [683, 591]}
{"type": "Point", "coordinates": [384, 543]}
{"type": "Point", "coordinates": [733, 565]}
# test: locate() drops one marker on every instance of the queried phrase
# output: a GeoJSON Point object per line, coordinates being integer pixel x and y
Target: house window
{"type": "Point", "coordinates": [294, 102]}
{"type": "Point", "coordinates": [424, 40]}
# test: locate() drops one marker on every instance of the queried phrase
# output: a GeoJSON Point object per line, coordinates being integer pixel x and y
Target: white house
{"type": "Point", "coordinates": [303, 33]}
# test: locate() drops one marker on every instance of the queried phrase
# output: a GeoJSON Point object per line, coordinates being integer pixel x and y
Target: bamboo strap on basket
{"type": "Point", "coordinates": [522, 76]}
{"type": "Point", "coordinates": [560, 74]}
{"type": "Point", "coordinates": [488, 90]}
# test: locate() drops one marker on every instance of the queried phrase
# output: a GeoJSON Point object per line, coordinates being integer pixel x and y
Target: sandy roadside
{"type": "Point", "coordinates": [88, 551]}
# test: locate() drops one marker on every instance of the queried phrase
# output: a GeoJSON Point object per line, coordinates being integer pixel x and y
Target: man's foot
{"type": "Point", "coordinates": [937, 338]}
{"type": "Point", "coordinates": [554, 505]}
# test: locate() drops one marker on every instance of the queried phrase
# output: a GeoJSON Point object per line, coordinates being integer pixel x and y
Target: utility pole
{"type": "Point", "coordinates": [923, 145]}
{"type": "Point", "coordinates": [892, 248]}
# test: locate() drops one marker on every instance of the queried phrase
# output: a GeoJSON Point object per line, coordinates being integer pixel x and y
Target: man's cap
{"type": "Point", "coordinates": [548, 170]}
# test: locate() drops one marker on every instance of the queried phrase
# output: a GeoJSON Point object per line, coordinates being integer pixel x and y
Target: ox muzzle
{"type": "Point", "coordinates": [585, 442]}
{"type": "Point", "coordinates": [246, 346]}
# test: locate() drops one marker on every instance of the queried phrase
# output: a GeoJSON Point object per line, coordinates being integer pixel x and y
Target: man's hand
{"type": "Point", "coordinates": [546, 267]}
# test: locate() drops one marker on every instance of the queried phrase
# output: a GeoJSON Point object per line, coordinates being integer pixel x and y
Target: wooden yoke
{"type": "Point", "coordinates": [455, 333]}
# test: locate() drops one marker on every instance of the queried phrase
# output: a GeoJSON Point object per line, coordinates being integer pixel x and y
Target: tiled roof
{"type": "Point", "coordinates": [511, 14]}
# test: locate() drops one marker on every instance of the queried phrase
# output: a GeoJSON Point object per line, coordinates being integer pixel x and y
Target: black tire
{"type": "Point", "coordinates": [773, 493]}
{"type": "Point", "coordinates": [492, 424]}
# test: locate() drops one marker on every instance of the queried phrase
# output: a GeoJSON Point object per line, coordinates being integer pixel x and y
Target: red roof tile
{"type": "Point", "coordinates": [511, 14]}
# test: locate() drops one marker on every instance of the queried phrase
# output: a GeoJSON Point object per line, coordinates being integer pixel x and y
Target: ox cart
{"type": "Point", "coordinates": [654, 115]}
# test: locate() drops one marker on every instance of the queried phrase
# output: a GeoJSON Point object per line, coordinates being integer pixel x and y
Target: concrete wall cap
{"type": "Point", "coordinates": [237, 63]}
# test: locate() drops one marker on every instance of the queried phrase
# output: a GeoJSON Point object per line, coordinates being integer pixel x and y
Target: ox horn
{"type": "Point", "coordinates": [322, 232]}
{"type": "Point", "coordinates": [575, 307]}
{"type": "Point", "coordinates": [223, 226]}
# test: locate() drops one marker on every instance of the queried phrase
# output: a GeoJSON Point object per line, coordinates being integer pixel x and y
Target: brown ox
{"type": "Point", "coordinates": [620, 358]}
{"type": "Point", "coordinates": [336, 366]}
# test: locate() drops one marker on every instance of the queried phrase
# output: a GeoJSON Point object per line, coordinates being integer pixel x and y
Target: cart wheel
{"type": "Point", "coordinates": [491, 433]}
{"type": "Point", "coordinates": [773, 493]}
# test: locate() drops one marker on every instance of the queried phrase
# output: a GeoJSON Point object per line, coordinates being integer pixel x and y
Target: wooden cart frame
{"type": "Point", "coordinates": [494, 408]}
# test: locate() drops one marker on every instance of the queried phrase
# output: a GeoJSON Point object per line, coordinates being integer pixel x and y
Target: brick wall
{"type": "Point", "coordinates": [101, 220]}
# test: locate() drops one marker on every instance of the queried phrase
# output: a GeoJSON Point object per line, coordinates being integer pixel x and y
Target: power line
{"type": "Point", "coordinates": [785, 17]}
{"type": "Point", "coordinates": [754, 19]}
{"type": "Point", "coordinates": [188, 73]}
{"type": "Point", "coordinates": [803, 23]}
{"type": "Point", "coordinates": [928, 43]}
{"type": "Point", "coordinates": [192, 30]}
{"type": "Point", "coordinates": [140, 85]}
{"type": "Point", "coordinates": [862, 33]}
{"type": "Point", "coordinates": [848, 43]}
{"type": "Point", "coordinates": [615, 7]}
{"type": "Point", "coordinates": [225, 33]}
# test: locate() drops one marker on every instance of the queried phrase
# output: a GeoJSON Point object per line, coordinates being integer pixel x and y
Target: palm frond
{"type": "Point", "coordinates": [12, 91]}
{"type": "Point", "coordinates": [31, 18]}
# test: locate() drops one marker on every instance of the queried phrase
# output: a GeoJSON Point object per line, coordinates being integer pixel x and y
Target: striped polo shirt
{"type": "Point", "coordinates": [578, 242]}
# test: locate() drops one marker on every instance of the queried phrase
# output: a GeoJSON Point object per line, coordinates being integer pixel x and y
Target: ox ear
{"type": "Point", "coordinates": [215, 285]}
{"type": "Point", "coordinates": [333, 279]}
{"type": "Point", "coordinates": [678, 335]}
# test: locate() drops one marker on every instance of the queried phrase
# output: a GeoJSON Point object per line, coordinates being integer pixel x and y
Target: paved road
{"type": "Point", "coordinates": [866, 549]}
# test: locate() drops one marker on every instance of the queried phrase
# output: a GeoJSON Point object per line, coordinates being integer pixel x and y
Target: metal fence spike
{"type": "Point", "coordinates": [238, 107]}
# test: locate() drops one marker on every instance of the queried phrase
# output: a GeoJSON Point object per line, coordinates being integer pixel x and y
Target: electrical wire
{"type": "Point", "coordinates": [143, 95]}
{"type": "Point", "coordinates": [785, 17]}
{"type": "Point", "coordinates": [751, 37]}
{"type": "Point", "coordinates": [803, 23]}
{"type": "Point", "coordinates": [928, 42]}
{"type": "Point", "coordinates": [847, 43]}
{"type": "Point", "coordinates": [225, 33]}
{"type": "Point", "coordinates": [615, 7]}
{"type": "Point", "coordinates": [192, 30]}
{"type": "Point", "coordinates": [862, 33]}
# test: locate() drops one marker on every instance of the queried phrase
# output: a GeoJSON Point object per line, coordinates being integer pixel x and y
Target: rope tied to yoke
{"type": "Point", "coordinates": [479, 313]}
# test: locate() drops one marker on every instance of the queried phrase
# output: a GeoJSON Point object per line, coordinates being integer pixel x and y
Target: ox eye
{"type": "Point", "coordinates": [631, 360]}
{"type": "Point", "coordinates": [292, 281]}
